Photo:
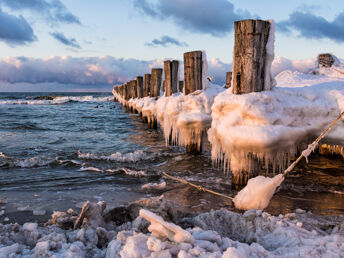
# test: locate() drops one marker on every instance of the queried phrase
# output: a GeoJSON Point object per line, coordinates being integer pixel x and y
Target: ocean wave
{"type": "Point", "coordinates": [119, 157]}
{"type": "Point", "coordinates": [34, 162]}
{"type": "Point", "coordinates": [131, 172]}
{"type": "Point", "coordinates": [55, 100]}
{"type": "Point", "coordinates": [91, 169]}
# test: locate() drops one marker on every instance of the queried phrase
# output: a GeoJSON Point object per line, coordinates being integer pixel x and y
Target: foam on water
{"type": "Point", "coordinates": [119, 157]}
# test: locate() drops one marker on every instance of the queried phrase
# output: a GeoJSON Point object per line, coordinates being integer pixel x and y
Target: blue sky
{"type": "Point", "coordinates": [88, 42]}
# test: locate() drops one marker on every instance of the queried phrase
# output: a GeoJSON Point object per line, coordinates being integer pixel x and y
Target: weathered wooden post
{"type": "Point", "coordinates": [250, 74]}
{"type": "Point", "coordinates": [325, 60]}
{"type": "Point", "coordinates": [139, 86]}
{"type": "Point", "coordinates": [147, 84]}
{"type": "Point", "coordinates": [156, 80]}
{"type": "Point", "coordinates": [251, 38]}
{"type": "Point", "coordinates": [228, 79]}
{"type": "Point", "coordinates": [181, 86]}
{"type": "Point", "coordinates": [171, 77]}
{"type": "Point", "coordinates": [193, 65]}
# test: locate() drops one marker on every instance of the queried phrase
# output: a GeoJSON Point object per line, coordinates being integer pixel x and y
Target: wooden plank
{"type": "Point", "coordinates": [139, 86]}
{"type": "Point", "coordinates": [156, 81]}
{"type": "Point", "coordinates": [251, 37]}
{"type": "Point", "coordinates": [171, 77]}
{"type": "Point", "coordinates": [147, 85]}
{"type": "Point", "coordinates": [193, 66]}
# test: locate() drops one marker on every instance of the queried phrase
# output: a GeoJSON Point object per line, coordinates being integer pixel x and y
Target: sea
{"type": "Point", "coordinates": [58, 150]}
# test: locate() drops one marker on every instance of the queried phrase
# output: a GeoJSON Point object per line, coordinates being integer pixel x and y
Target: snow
{"type": "Point", "coordinates": [257, 193]}
{"type": "Point", "coordinates": [30, 226]}
{"type": "Point", "coordinates": [270, 54]}
{"type": "Point", "coordinates": [220, 233]}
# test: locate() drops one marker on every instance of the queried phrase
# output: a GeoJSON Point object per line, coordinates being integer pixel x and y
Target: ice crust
{"type": "Point", "coordinates": [218, 233]}
{"type": "Point", "coordinates": [184, 119]}
{"type": "Point", "coordinates": [271, 126]}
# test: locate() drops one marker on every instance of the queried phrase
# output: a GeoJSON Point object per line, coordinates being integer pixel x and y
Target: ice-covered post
{"type": "Point", "coordinates": [194, 79]}
{"type": "Point", "coordinates": [147, 84]}
{"type": "Point", "coordinates": [139, 86]}
{"type": "Point", "coordinates": [228, 79]}
{"type": "Point", "coordinates": [252, 56]}
{"type": "Point", "coordinates": [171, 77]}
{"type": "Point", "coordinates": [193, 68]}
{"type": "Point", "coordinates": [156, 80]}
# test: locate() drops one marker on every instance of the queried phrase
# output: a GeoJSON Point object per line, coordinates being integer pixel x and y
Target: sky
{"type": "Point", "coordinates": [88, 45]}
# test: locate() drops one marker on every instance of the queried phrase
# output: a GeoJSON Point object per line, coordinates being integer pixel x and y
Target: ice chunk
{"type": "Point", "coordinates": [163, 229]}
{"type": "Point", "coordinates": [157, 186]}
{"type": "Point", "coordinates": [30, 226]}
{"type": "Point", "coordinates": [257, 193]}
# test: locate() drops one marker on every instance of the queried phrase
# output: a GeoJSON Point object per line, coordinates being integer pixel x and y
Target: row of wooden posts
{"type": "Point", "coordinates": [248, 73]}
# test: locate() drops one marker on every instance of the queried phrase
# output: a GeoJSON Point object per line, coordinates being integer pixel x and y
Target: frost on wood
{"type": "Point", "coordinates": [163, 229]}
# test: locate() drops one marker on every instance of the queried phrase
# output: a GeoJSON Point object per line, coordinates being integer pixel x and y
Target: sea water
{"type": "Point", "coordinates": [58, 150]}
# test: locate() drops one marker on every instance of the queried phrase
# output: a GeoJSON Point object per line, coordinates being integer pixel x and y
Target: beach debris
{"type": "Point", "coordinates": [91, 214]}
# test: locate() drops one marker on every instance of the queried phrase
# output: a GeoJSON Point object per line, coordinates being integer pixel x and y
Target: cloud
{"type": "Point", "coordinates": [53, 10]}
{"type": "Point", "coordinates": [62, 39]}
{"type": "Point", "coordinates": [211, 17]}
{"type": "Point", "coordinates": [15, 30]}
{"type": "Point", "coordinates": [105, 70]}
{"type": "Point", "coordinates": [166, 41]}
{"type": "Point", "coordinates": [309, 25]}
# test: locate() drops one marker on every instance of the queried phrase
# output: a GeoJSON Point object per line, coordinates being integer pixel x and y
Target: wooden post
{"type": "Point", "coordinates": [133, 84]}
{"type": "Point", "coordinates": [126, 91]}
{"type": "Point", "coordinates": [325, 60]}
{"type": "Point", "coordinates": [139, 86]}
{"type": "Point", "coordinates": [147, 84]}
{"type": "Point", "coordinates": [228, 79]}
{"type": "Point", "coordinates": [251, 37]}
{"type": "Point", "coordinates": [156, 80]}
{"type": "Point", "coordinates": [171, 77]}
{"type": "Point", "coordinates": [193, 66]}
{"type": "Point", "coordinates": [181, 86]}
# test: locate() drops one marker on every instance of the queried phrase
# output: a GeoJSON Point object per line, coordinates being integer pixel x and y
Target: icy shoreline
{"type": "Point", "coordinates": [153, 228]}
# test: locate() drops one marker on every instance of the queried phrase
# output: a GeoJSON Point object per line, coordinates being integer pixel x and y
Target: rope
{"type": "Point", "coordinates": [313, 145]}
{"type": "Point", "coordinates": [200, 188]}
